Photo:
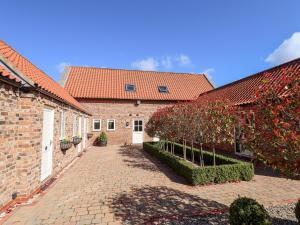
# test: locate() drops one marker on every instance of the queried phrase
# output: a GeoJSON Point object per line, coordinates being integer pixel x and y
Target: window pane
{"type": "Point", "coordinates": [163, 89]}
{"type": "Point", "coordinates": [74, 126]}
{"type": "Point", "coordinates": [136, 122]}
{"type": "Point", "coordinates": [62, 124]}
{"type": "Point", "coordinates": [140, 128]}
{"type": "Point", "coordinates": [140, 122]}
{"type": "Point", "coordinates": [130, 87]}
{"type": "Point", "coordinates": [96, 124]}
{"type": "Point", "coordinates": [136, 128]}
{"type": "Point", "coordinates": [111, 125]}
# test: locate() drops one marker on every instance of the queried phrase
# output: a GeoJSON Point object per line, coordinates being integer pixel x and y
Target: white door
{"type": "Point", "coordinates": [138, 131]}
{"type": "Point", "coordinates": [84, 132]}
{"type": "Point", "coordinates": [47, 143]}
{"type": "Point", "coordinates": [79, 133]}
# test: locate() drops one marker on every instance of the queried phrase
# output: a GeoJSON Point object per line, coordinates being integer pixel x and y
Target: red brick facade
{"type": "Point", "coordinates": [21, 125]}
{"type": "Point", "coordinates": [124, 112]}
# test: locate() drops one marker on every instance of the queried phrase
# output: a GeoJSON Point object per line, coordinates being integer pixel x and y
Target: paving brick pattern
{"type": "Point", "coordinates": [116, 185]}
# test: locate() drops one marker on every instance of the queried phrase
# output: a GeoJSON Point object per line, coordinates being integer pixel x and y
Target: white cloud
{"type": "Point", "coordinates": [61, 66]}
{"type": "Point", "coordinates": [146, 64]}
{"type": "Point", "coordinates": [288, 50]}
{"type": "Point", "coordinates": [183, 60]}
{"type": "Point", "coordinates": [167, 62]}
{"type": "Point", "coordinates": [209, 72]}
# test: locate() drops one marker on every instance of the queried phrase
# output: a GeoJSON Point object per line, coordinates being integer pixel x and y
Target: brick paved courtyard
{"type": "Point", "coordinates": [116, 185]}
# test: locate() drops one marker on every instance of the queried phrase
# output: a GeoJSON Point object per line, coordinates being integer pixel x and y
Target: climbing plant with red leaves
{"type": "Point", "coordinates": [275, 139]}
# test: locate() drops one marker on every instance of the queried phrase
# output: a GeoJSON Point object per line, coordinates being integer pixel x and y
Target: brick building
{"type": "Point", "coordinates": [35, 114]}
{"type": "Point", "coordinates": [121, 101]}
{"type": "Point", "coordinates": [241, 93]}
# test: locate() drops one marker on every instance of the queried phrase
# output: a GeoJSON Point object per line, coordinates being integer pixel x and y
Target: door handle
{"type": "Point", "coordinates": [46, 148]}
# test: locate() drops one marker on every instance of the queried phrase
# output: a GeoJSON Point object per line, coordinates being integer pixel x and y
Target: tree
{"type": "Point", "coordinates": [218, 121]}
{"type": "Point", "coordinates": [275, 139]}
{"type": "Point", "coordinates": [158, 124]}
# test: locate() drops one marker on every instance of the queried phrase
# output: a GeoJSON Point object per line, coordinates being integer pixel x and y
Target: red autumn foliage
{"type": "Point", "coordinates": [275, 139]}
{"type": "Point", "coordinates": [196, 121]}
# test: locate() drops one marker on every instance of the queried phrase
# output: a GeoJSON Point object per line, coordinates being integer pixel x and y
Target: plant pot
{"type": "Point", "coordinates": [65, 145]}
{"type": "Point", "coordinates": [89, 135]}
{"type": "Point", "coordinates": [76, 140]}
{"type": "Point", "coordinates": [102, 143]}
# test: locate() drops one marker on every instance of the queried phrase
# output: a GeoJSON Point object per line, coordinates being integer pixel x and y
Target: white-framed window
{"type": "Point", "coordinates": [74, 125]}
{"type": "Point", "coordinates": [111, 124]}
{"type": "Point", "coordinates": [96, 124]}
{"type": "Point", "coordinates": [62, 124]}
{"type": "Point", "coordinates": [87, 125]}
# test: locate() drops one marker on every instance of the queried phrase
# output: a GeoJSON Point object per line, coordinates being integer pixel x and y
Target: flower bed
{"type": "Point", "coordinates": [226, 170]}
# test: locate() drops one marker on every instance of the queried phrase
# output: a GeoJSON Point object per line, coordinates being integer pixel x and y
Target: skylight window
{"type": "Point", "coordinates": [163, 89]}
{"type": "Point", "coordinates": [130, 87]}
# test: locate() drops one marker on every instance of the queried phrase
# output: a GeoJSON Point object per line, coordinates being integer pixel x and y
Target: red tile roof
{"type": "Point", "coordinates": [5, 73]}
{"type": "Point", "coordinates": [104, 83]}
{"type": "Point", "coordinates": [41, 79]}
{"type": "Point", "coordinates": [243, 91]}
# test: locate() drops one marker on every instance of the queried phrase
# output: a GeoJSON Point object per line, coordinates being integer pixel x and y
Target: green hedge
{"type": "Point", "coordinates": [226, 170]}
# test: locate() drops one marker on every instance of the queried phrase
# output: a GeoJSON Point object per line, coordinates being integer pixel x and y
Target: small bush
{"type": "Point", "coordinates": [102, 137]}
{"type": "Point", "coordinates": [297, 211]}
{"type": "Point", "coordinates": [228, 170]}
{"type": "Point", "coordinates": [247, 211]}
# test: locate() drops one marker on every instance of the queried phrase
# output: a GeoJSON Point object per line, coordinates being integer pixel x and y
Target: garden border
{"type": "Point", "coordinates": [228, 170]}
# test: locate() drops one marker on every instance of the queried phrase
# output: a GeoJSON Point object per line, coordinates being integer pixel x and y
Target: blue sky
{"type": "Point", "coordinates": [228, 39]}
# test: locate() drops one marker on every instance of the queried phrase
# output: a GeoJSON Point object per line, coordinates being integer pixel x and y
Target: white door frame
{"type": "Point", "coordinates": [47, 143]}
{"type": "Point", "coordinates": [137, 132]}
{"type": "Point", "coordinates": [84, 132]}
{"type": "Point", "coordinates": [79, 133]}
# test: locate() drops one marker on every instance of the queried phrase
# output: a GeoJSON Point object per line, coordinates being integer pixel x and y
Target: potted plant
{"type": "Point", "coordinates": [102, 139]}
{"type": "Point", "coordinates": [65, 144]}
{"type": "Point", "coordinates": [77, 139]}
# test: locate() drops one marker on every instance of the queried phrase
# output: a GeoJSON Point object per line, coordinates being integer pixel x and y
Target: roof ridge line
{"type": "Point", "coordinates": [152, 71]}
{"type": "Point", "coordinates": [252, 75]}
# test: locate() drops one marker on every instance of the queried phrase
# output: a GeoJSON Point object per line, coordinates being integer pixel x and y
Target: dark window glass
{"type": "Point", "coordinates": [136, 128]}
{"type": "Point", "coordinates": [96, 124]}
{"type": "Point", "coordinates": [163, 89]}
{"type": "Point", "coordinates": [130, 87]}
{"type": "Point", "coordinates": [111, 125]}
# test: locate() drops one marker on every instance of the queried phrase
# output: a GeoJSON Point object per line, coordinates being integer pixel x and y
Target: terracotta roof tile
{"type": "Point", "coordinates": [5, 73]}
{"type": "Point", "coordinates": [243, 91]}
{"type": "Point", "coordinates": [41, 79]}
{"type": "Point", "coordinates": [104, 83]}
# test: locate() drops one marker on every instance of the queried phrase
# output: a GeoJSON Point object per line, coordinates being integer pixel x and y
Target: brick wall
{"type": "Point", "coordinates": [8, 144]}
{"type": "Point", "coordinates": [21, 127]}
{"type": "Point", "coordinates": [123, 112]}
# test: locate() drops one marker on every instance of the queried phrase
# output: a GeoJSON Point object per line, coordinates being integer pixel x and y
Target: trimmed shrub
{"type": "Point", "coordinates": [227, 169]}
{"type": "Point", "coordinates": [297, 211]}
{"type": "Point", "coordinates": [247, 211]}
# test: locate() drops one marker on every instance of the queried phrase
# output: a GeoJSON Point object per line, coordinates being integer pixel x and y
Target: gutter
{"type": "Point", "coordinates": [37, 88]}
{"type": "Point", "coordinates": [29, 85]}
